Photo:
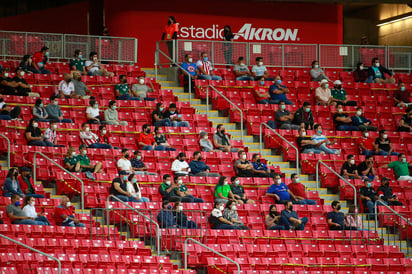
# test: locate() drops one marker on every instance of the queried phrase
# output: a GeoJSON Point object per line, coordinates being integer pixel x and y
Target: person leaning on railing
{"type": "Point", "coordinates": [170, 33]}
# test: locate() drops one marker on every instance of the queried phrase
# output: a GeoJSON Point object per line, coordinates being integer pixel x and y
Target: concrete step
{"type": "Point", "coordinates": [210, 113]}
{"type": "Point", "coordinates": [52, 191]}
{"type": "Point", "coordinates": [246, 138]}
{"type": "Point", "coordinates": [149, 70]}
{"type": "Point", "coordinates": [174, 89]}
{"type": "Point", "coordinates": [309, 184]}
{"type": "Point", "coordinates": [182, 95]}
{"type": "Point", "coordinates": [201, 108]}
{"type": "Point", "coordinates": [221, 120]}
{"type": "Point", "coordinates": [194, 101]}
{"type": "Point", "coordinates": [280, 164]}
{"type": "Point", "coordinates": [274, 158]}
{"type": "Point", "coordinates": [160, 77]}
{"type": "Point", "coordinates": [166, 84]}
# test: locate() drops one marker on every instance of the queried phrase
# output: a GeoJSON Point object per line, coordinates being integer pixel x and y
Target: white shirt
{"type": "Point", "coordinates": [132, 190]}
{"type": "Point", "coordinates": [177, 166]}
{"type": "Point", "coordinates": [94, 112]}
{"type": "Point", "coordinates": [124, 164]}
{"type": "Point", "coordinates": [207, 66]}
{"type": "Point", "coordinates": [30, 211]}
{"type": "Point", "coordinates": [217, 213]}
{"type": "Point", "coordinates": [66, 88]}
{"type": "Point", "coordinates": [95, 66]}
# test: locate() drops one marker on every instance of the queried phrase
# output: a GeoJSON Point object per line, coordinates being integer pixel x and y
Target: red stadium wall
{"type": "Point", "coordinates": [284, 22]}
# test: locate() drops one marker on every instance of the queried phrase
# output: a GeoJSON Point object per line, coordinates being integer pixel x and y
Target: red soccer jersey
{"type": "Point", "coordinates": [297, 189]}
{"type": "Point", "coordinates": [367, 142]}
{"type": "Point", "coordinates": [146, 139]}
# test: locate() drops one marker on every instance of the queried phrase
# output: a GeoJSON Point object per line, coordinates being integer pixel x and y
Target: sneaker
{"type": "Point", "coordinates": [89, 175]}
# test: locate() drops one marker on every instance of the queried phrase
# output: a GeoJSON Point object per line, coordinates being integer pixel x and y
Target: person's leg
{"type": "Point", "coordinates": [102, 146]}
{"type": "Point", "coordinates": [302, 225]}
{"type": "Point", "coordinates": [5, 117]}
{"type": "Point", "coordinates": [394, 153]}
{"type": "Point", "coordinates": [382, 152]}
{"type": "Point", "coordinates": [36, 195]}
{"type": "Point", "coordinates": [132, 199]}
{"type": "Point", "coordinates": [347, 128]}
{"type": "Point", "coordinates": [370, 206]}
{"type": "Point", "coordinates": [44, 71]}
{"type": "Point", "coordinates": [191, 224]}
{"type": "Point", "coordinates": [15, 112]}
{"type": "Point", "coordinates": [143, 200]}
{"type": "Point", "coordinates": [36, 143]}
{"type": "Point", "coordinates": [286, 126]}
{"type": "Point", "coordinates": [123, 198]}
{"type": "Point", "coordinates": [284, 222]}
{"type": "Point", "coordinates": [170, 149]}
{"type": "Point", "coordinates": [277, 227]}
{"type": "Point", "coordinates": [31, 222]}
{"type": "Point", "coordinates": [327, 150]}
{"type": "Point", "coordinates": [263, 102]}
{"type": "Point", "coordinates": [287, 102]}
{"type": "Point", "coordinates": [309, 202]}
{"type": "Point", "coordinates": [160, 148]}
{"type": "Point", "coordinates": [226, 226]}
{"type": "Point", "coordinates": [214, 77]}
{"type": "Point", "coordinates": [271, 124]}
{"type": "Point", "coordinates": [49, 144]}
{"type": "Point", "coordinates": [370, 79]}
{"type": "Point", "coordinates": [174, 199]}
{"type": "Point", "coordinates": [80, 225]}
{"type": "Point", "coordinates": [148, 147]}
{"type": "Point", "coordinates": [66, 121]}
{"type": "Point", "coordinates": [368, 152]}
{"type": "Point", "coordinates": [188, 199]}
{"type": "Point", "coordinates": [183, 124]}
{"type": "Point", "coordinates": [43, 219]}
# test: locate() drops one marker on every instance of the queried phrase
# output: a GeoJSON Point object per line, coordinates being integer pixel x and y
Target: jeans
{"type": "Point", "coordinates": [127, 97]}
{"type": "Point", "coordinates": [14, 113]}
{"type": "Point", "coordinates": [125, 198]}
{"type": "Point", "coordinates": [226, 226]}
{"type": "Point", "coordinates": [245, 78]}
{"type": "Point", "coordinates": [180, 124]}
{"type": "Point", "coordinates": [143, 200]}
{"type": "Point", "coordinates": [43, 219]}
{"type": "Point", "coordinates": [188, 224]}
{"type": "Point", "coordinates": [312, 150]}
{"type": "Point", "coordinates": [157, 148]}
{"type": "Point", "coordinates": [370, 205]}
{"type": "Point", "coordinates": [32, 222]}
{"type": "Point", "coordinates": [289, 126]}
{"type": "Point", "coordinates": [39, 143]}
{"type": "Point", "coordinates": [205, 174]}
{"type": "Point", "coordinates": [99, 145]}
{"type": "Point", "coordinates": [382, 152]}
{"type": "Point", "coordinates": [163, 123]}
{"type": "Point", "coordinates": [368, 152]}
{"type": "Point", "coordinates": [327, 150]}
{"type": "Point", "coordinates": [304, 202]}
{"type": "Point", "coordinates": [209, 77]}
{"type": "Point", "coordinates": [300, 227]}
{"type": "Point", "coordinates": [282, 223]}
{"type": "Point", "coordinates": [74, 225]}
{"type": "Point", "coordinates": [35, 195]}
{"type": "Point", "coordinates": [266, 101]}
{"type": "Point", "coordinates": [277, 101]}
{"type": "Point", "coordinates": [347, 128]}
{"type": "Point", "coordinates": [44, 71]}
{"type": "Point", "coordinates": [193, 199]}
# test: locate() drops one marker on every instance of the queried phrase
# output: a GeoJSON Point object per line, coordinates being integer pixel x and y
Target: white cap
{"type": "Point", "coordinates": [337, 82]}
{"type": "Point", "coordinates": [324, 81]}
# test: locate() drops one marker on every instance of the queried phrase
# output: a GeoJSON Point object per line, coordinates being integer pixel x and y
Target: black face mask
{"type": "Point", "coordinates": [274, 213]}
{"type": "Point", "coordinates": [258, 160]}
{"type": "Point", "coordinates": [338, 207]}
{"type": "Point", "coordinates": [79, 79]}
{"type": "Point", "coordinates": [148, 130]}
{"type": "Point", "coordinates": [124, 81]}
{"type": "Point", "coordinates": [291, 208]}
{"type": "Point", "coordinates": [68, 81]}
{"type": "Point", "coordinates": [200, 158]}
{"type": "Point", "coordinates": [386, 184]}
{"type": "Point", "coordinates": [126, 156]}
{"type": "Point", "coordinates": [222, 131]}
{"type": "Point", "coordinates": [1, 100]}
{"type": "Point", "coordinates": [181, 160]}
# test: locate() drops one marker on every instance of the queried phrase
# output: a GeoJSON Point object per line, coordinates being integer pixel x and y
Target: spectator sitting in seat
{"type": "Point", "coordinates": [336, 219]}
{"type": "Point", "coordinates": [405, 124]}
{"type": "Point", "coordinates": [80, 88]}
{"type": "Point", "coordinates": [181, 218]}
{"type": "Point", "coordinates": [278, 92]}
{"type": "Point", "coordinates": [71, 162]}
{"type": "Point", "coordinates": [243, 167]}
{"type": "Point", "coordinates": [321, 141]}
{"type": "Point", "coordinates": [230, 214]}
{"type": "Point", "coordinates": [7, 85]}
{"type": "Point", "coordinates": [303, 116]}
{"type": "Point", "coordinates": [299, 191]}
{"type": "Point", "coordinates": [223, 192]}
{"type": "Point", "coordinates": [77, 64]}
{"type": "Point", "coordinates": [385, 193]}
{"type": "Point", "coordinates": [283, 118]}
{"type": "Point", "coordinates": [161, 140]}
{"type": "Point", "coordinates": [93, 113]}
{"type": "Point", "coordinates": [124, 162]}
{"type": "Point", "coordinates": [189, 68]}
{"type": "Point", "coordinates": [241, 71]}
{"type": "Point", "coordinates": [26, 183]}
{"type": "Point", "coordinates": [123, 92]}
{"type": "Point", "coordinates": [27, 64]}
{"type": "Point", "coordinates": [205, 69]}
{"type": "Point", "coordinates": [361, 122]}
{"type": "Point", "coordinates": [138, 166]}
{"type": "Point", "coordinates": [17, 216]}
{"type": "Point", "coordinates": [85, 164]}
{"type": "Point", "coordinates": [400, 167]}
{"type": "Point", "coordinates": [349, 169]}
{"type": "Point", "coordinates": [64, 214]}
{"type": "Point", "coordinates": [323, 94]}
{"type": "Point", "coordinates": [134, 189]}
{"type": "Point", "coordinates": [158, 118]}
{"type": "Point", "coordinates": [30, 211]}
{"type": "Point", "coordinates": [260, 169]}
{"type": "Point", "coordinates": [94, 68]}
{"type": "Point", "coordinates": [54, 111]}
{"type": "Point", "coordinates": [39, 61]}
{"type": "Point", "coordinates": [291, 216]}
{"type": "Point", "coordinates": [383, 145]}
{"type": "Point", "coordinates": [317, 73]}
{"type": "Point", "coordinates": [280, 192]}
{"type": "Point", "coordinates": [6, 113]}
{"type": "Point", "coordinates": [352, 220]}
{"type": "Point", "coordinates": [401, 96]}
{"type": "Point", "coordinates": [50, 134]}
{"type": "Point", "coordinates": [39, 111]}
{"type": "Point", "coordinates": [360, 75]}
{"type": "Point", "coordinates": [11, 184]}
{"type": "Point", "coordinates": [174, 116]}
{"type": "Point", "coordinates": [204, 142]}
{"type": "Point", "coordinates": [221, 141]}
{"type": "Point", "coordinates": [66, 88]}
{"type": "Point", "coordinates": [33, 135]}
{"type": "Point", "coordinates": [368, 196]}
{"type": "Point", "coordinates": [141, 90]}
{"type": "Point", "coordinates": [275, 221]}
{"type": "Point", "coordinates": [104, 136]}
{"type": "Point", "coordinates": [376, 73]}
{"type": "Point", "coordinates": [366, 169]}
{"type": "Point", "coordinates": [260, 70]}
{"type": "Point", "coordinates": [342, 120]}
{"type": "Point", "coordinates": [111, 115]}
{"type": "Point", "coordinates": [239, 192]}
{"type": "Point", "coordinates": [199, 168]}
{"type": "Point", "coordinates": [119, 188]}
{"type": "Point", "coordinates": [146, 141]}
{"type": "Point", "coordinates": [170, 191]}
{"type": "Point", "coordinates": [305, 143]}
{"type": "Point", "coordinates": [365, 143]}
{"type": "Point", "coordinates": [165, 218]}
{"type": "Point", "coordinates": [216, 219]}
{"type": "Point", "coordinates": [339, 95]}
{"type": "Point", "coordinates": [261, 92]}
{"type": "Point", "coordinates": [23, 88]}
{"type": "Point", "coordinates": [180, 166]}
{"type": "Point", "coordinates": [184, 193]}
{"type": "Point", "coordinates": [90, 140]}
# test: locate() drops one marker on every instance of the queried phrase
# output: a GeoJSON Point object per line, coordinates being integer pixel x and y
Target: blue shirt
{"type": "Point", "coordinates": [190, 68]}
{"type": "Point", "coordinates": [273, 96]}
{"type": "Point", "coordinates": [137, 163]}
{"type": "Point", "coordinates": [378, 73]}
{"type": "Point", "coordinates": [288, 214]}
{"type": "Point", "coordinates": [259, 166]}
{"type": "Point", "coordinates": [198, 166]}
{"type": "Point", "coordinates": [280, 190]}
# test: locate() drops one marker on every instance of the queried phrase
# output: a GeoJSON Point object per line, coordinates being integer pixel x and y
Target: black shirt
{"type": "Point", "coordinates": [123, 186]}
{"type": "Point", "coordinates": [6, 89]}
{"type": "Point", "coordinates": [384, 145]}
{"type": "Point", "coordinates": [349, 168]}
{"type": "Point", "coordinates": [35, 132]}
{"type": "Point", "coordinates": [237, 190]}
{"type": "Point", "coordinates": [303, 147]}
{"type": "Point", "coordinates": [339, 115]}
{"type": "Point", "coordinates": [228, 36]}
{"type": "Point", "coordinates": [368, 192]}
{"type": "Point", "coordinates": [161, 139]}
{"type": "Point", "coordinates": [337, 217]}
{"type": "Point", "coordinates": [159, 115]}
{"type": "Point", "coordinates": [167, 114]}
{"type": "Point", "coordinates": [180, 218]}
{"type": "Point", "coordinates": [386, 191]}
{"type": "Point", "coordinates": [406, 120]}
{"type": "Point", "coordinates": [362, 167]}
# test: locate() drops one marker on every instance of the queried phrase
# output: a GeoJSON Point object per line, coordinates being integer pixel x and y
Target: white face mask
{"type": "Point", "coordinates": [180, 181]}
{"type": "Point", "coordinates": [167, 183]}
{"type": "Point", "coordinates": [244, 157]}
{"type": "Point", "coordinates": [54, 126]}
{"type": "Point", "coordinates": [55, 103]}
{"type": "Point", "coordinates": [260, 63]}
{"type": "Point", "coordinates": [297, 180]}
{"type": "Point", "coordinates": [73, 153]}
{"type": "Point", "coordinates": [237, 182]}
{"type": "Point", "coordinates": [366, 134]}
{"type": "Point", "coordinates": [234, 207]}
{"type": "Point", "coordinates": [35, 124]}
{"type": "Point", "coordinates": [377, 65]}
{"type": "Point", "coordinates": [361, 67]}
{"type": "Point", "coordinates": [33, 203]}
{"type": "Point", "coordinates": [141, 81]}
{"type": "Point", "coordinates": [6, 75]}
{"type": "Point", "coordinates": [190, 60]}
{"type": "Point", "coordinates": [359, 113]}
{"type": "Point", "coordinates": [180, 208]}
{"type": "Point", "coordinates": [206, 137]}
{"type": "Point", "coordinates": [84, 152]}
{"type": "Point", "coordinates": [352, 162]}
{"type": "Point", "coordinates": [316, 66]}
{"type": "Point", "coordinates": [242, 64]}
{"type": "Point", "coordinates": [221, 208]}
{"type": "Point", "coordinates": [340, 110]}
{"type": "Point", "coordinates": [68, 204]}
{"type": "Point", "coordinates": [87, 129]}
{"type": "Point", "coordinates": [279, 181]}
{"type": "Point", "coordinates": [304, 133]}
{"type": "Point", "coordinates": [225, 183]}
{"type": "Point", "coordinates": [104, 131]}
{"type": "Point", "coordinates": [385, 136]}
{"type": "Point", "coordinates": [22, 74]}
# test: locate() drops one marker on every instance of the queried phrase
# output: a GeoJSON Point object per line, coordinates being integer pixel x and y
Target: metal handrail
{"type": "Point", "coordinates": [176, 64]}
{"type": "Point", "coordinates": [391, 209]}
{"type": "Point", "coordinates": [339, 176]}
{"type": "Point", "coordinates": [210, 249]}
{"type": "Point", "coordinates": [62, 168]}
{"type": "Point", "coordinates": [281, 137]}
{"type": "Point", "coordinates": [140, 214]}
{"type": "Point", "coordinates": [8, 149]}
{"type": "Point", "coordinates": [230, 102]}
{"type": "Point", "coordinates": [35, 250]}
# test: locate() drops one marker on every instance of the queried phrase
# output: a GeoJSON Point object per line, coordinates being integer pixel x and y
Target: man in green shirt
{"type": "Point", "coordinates": [401, 168]}
{"type": "Point", "coordinates": [123, 90]}
{"type": "Point", "coordinates": [85, 163]}
{"type": "Point", "coordinates": [339, 95]}
{"type": "Point", "coordinates": [77, 64]}
{"type": "Point", "coordinates": [223, 192]}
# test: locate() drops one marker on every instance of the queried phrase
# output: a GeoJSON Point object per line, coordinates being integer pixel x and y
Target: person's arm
{"type": "Point", "coordinates": [69, 167]}
{"type": "Point", "coordinates": [330, 223]}
{"type": "Point", "coordinates": [292, 196]}
{"type": "Point", "coordinates": [194, 167]}
{"type": "Point", "coordinates": [30, 138]}
{"type": "Point", "coordinates": [273, 196]}
{"type": "Point", "coordinates": [390, 148]}
{"type": "Point", "coordinates": [14, 217]}
{"type": "Point", "coordinates": [85, 135]}
{"type": "Point", "coordinates": [91, 65]}
{"type": "Point", "coordinates": [223, 220]}
{"type": "Point", "coordinates": [376, 147]}
{"type": "Point", "coordinates": [200, 68]}
{"type": "Point", "coordinates": [119, 189]}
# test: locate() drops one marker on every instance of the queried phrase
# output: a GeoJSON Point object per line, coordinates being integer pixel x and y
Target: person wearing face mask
{"type": "Point", "coordinates": [216, 219]}
{"type": "Point", "coordinates": [134, 189]}
{"type": "Point", "coordinates": [275, 221]}
{"type": "Point", "coordinates": [17, 216]}
{"type": "Point", "coordinates": [221, 141]}
{"type": "Point", "coordinates": [227, 46]}
{"type": "Point", "coordinates": [146, 141]}
{"type": "Point", "coordinates": [385, 193]}
{"type": "Point", "coordinates": [317, 73]}
{"type": "Point", "coordinates": [239, 192]}
{"type": "Point", "coordinates": [138, 166]}
{"type": "Point", "coordinates": [184, 193]}
{"type": "Point", "coordinates": [80, 88]}
{"type": "Point", "coordinates": [261, 92]}
{"type": "Point", "coordinates": [305, 143]}
{"type": "Point", "coordinates": [119, 188]}
{"type": "Point", "coordinates": [223, 192]}
{"type": "Point", "coordinates": [368, 196]}
{"type": "Point", "coordinates": [260, 70]}
{"type": "Point", "coordinates": [299, 190]}
{"type": "Point", "coordinates": [170, 33]}
{"type": "Point", "coordinates": [26, 183]}
{"type": "Point", "coordinates": [360, 74]}
{"type": "Point", "coordinates": [174, 116]}
{"type": "Point", "coordinates": [77, 64]}
{"type": "Point", "coordinates": [11, 184]}
{"type": "Point", "coordinates": [54, 111]}
{"type": "Point", "coordinates": [241, 71]}
{"type": "Point", "coordinates": [65, 214]}
{"type": "Point", "coordinates": [165, 218]}
{"type": "Point", "coordinates": [199, 168]}
{"type": "Point", "coordinates": [40, 59]}
{"type": "Point", "coordinates": [90, 139]}
{"type": "Point", "coordinates": [111, 115]}
{"type": "Point", "coordinates": [189, 72]}
{"type": "Point", "coordinates": [230, 214]}
{"type": "Point", "coordinates": [180, 217]}
{"type": "Point", "coordinates": [33, 135]}
{"type": "Point", "coordinates": [50, 134]}
{"type": "Point", "coordinates": [400, 167]}
{"type": "Point", "coordinates": [278, 92]}
{"type": "Point", "coordinates": [401, 96]}
{"type": "Point", "coordinates": [30, 211]}
{"type": "Point", "coordinates": [71, 162]}
{"type": "Point", "coordinates": [123, 92]}
{"type": "Point", "coordinates": [365, 144]}
{"type": "Point", "coordinates": [366, 168]}
{"type": "Point", "coordinates": [141, 90]}
{"type": "Point", "coordinates": [95, 68]}
{"type": "Point", "coordinates": [39, 111]}
{"type": "Point", "coordinates": [335, 218]}
{"type": "Point", "coordinates": [342, 120]}
{"type": "Point", "coordinates": [66, 88]}
{"type": "Point", "coordinates": [340, 96]}
{"type": "Point", "coordinates": [323, 94]}
{"type": "Point", "coordinates": [405, 124]}
{"type": "Point", "coordinates": [158, 118]}
{"type": "Point", "coordinates": [361, 121]}
{"type": "Point", "coordinates": [169, 189]}
{"type": "Point", "coordinates": [243, 167]}
{"type": "Point", "coordinates": [279, 191]}
{"type": "Point", "coordinates": [23, 89]}
{"type": "Point", "coordinates": [161, 140]}
{"type": "Point", "coordinates": [383, 145]}
{"type": "Point", "coordinates": [85, 163]}
{"type": "Point", "coordinates": [292, 221]}
{"type": "Point", "coordinates": [180, 166]}
{"type": "Point", "coordinates": [283, 118]}
{"type": "Point", "coordinates": [303, 116]}
{"type": "Point", "coordinates": [27, 64]}
{"type": "Point", "coordinates": [349, 169]}
{"type": "Point", "coordinates": [376, 73]}
{"type": "Point", "coordinates": [260, 169]}
{"type": "Point", "coordinates": [353, 221]}
{"type": "Point", "coordinates": [204, 142]}
{"type": "Point", "coordinates": [104, 135]}
{"type": "Point", "coordinates": [124, 162]}
{"type": "Point", "coordinates": [321, 141]}
{"type": "Point", "coordinates": [205, 69]}
{"type": "Point", "coordinates": [7, 85]}
{"type": "Point", "coordinates": [6, 112]}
